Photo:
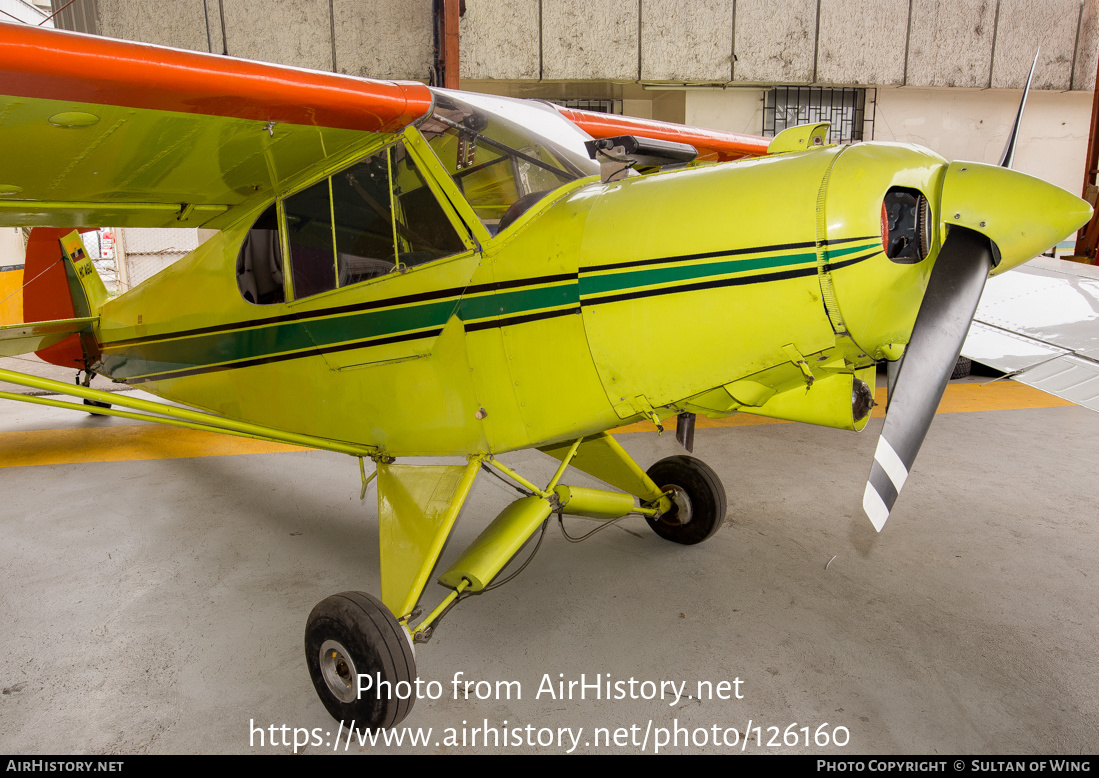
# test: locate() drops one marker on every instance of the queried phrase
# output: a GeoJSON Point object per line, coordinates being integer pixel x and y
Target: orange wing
{"type": "Point", "coordinates": [713, 145]}
{"type": "Point", "coordinates": [56, 65]}
{"type": "Point", "coordinates": [127, 134]}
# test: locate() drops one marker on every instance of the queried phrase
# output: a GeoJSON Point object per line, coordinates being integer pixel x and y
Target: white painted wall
{"type": "Point", "coordinates": [735, 110]}
{"type": "Point", "coordinates": [970, 124]}
{"type": "Point", "coordinates": [11, 246]}
{"type": "Point", "coordinates": [25, 11]}
{"type": "Point", "coordinates": [973, 124]}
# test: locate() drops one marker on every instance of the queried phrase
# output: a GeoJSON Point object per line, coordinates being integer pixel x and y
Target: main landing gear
{"type": "Point", "coordinates": [361, 662]}
{"type": "Point", "coordinates": [88, 376]}
{"type": "Point", "coordinates": [359, 649]}
{"type": "Point", "coordinates": [698, 497]}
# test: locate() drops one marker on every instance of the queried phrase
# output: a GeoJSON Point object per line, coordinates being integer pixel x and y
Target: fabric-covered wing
{"type": "Point", "coordinates": [712, 145]}
{"type": "Point", "coordinates": [104, 132]}
{"type": "Point", "coordinates": [1040, 324]}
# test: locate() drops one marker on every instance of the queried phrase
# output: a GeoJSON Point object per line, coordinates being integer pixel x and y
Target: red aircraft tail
{"type": "Point", "coordinates": [52, 290]}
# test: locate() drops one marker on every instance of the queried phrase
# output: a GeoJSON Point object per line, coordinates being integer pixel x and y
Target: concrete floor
{"type": "Point", "coordinates": [158, 606]}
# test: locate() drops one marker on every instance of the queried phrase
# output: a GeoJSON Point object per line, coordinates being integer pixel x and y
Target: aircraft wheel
{"type": "Point", "coordinates": [352, 634]}
{"type": "Point", "coordinates": [96, 404]}
{"type": "Point", "coordinates": [962, 368]}
{"type": "Point", "coordinates": [698, 497]}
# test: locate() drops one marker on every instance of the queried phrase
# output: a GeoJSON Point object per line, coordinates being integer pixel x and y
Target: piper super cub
{"type": "Point", "coordinates": [402, 271]}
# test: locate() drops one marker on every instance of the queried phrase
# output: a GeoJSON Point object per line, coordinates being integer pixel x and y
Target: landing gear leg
{"type": "Point", "coordinates": [88, 376]}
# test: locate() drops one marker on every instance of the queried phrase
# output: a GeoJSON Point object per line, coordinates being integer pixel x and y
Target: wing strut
{"type": "Point", "coordinates": [169, 414]}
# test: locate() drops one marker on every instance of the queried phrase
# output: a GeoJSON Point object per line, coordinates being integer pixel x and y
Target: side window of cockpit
{"type": "Point", "coordinates": [369, 220]}
{"type": "Point", "coordinates": [259, 263]}
{"type": "Point", "coordinates": [424, 233]}
{"type": "Point", "coordinates": [364, 228]}
{"type": "Point", "coordinates": [309, 235]}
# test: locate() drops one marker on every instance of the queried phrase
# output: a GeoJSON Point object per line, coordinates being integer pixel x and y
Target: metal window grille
{"type": "Point", "coordinates": [849, 109]}
{"type": "Point", "coordinates": [600, 106]}
{"type": "Point", "coordinates": [79, 16]}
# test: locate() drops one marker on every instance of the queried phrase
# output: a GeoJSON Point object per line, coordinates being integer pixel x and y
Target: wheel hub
{"type": "Point", "coordinates": [338, 671]}
{"type": "Point", "coordinates": [684, 512]}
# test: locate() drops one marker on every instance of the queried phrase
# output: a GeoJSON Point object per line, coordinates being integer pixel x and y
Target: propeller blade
{"type": "Point", "coordinates": [953, 291]}
{"type": "Point", "coordinates": [1008, 157]}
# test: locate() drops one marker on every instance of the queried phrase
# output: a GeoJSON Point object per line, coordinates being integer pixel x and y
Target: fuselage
{"type": "Point", "coordinates": [763, 285]}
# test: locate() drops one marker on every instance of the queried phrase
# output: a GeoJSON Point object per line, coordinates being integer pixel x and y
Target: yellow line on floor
{"type": "Point", "coordinates": [123, 443]}
{"type": "Point", "coordinates": [959, 398]}
{"type": "Point", "coordinates": [148, 441]}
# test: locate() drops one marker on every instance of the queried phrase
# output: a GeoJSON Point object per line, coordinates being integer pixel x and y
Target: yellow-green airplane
{"type": "Point", "coordinates": [401, 271]}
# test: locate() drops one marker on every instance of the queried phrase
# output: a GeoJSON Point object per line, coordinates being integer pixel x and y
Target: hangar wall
{"type": "Point", "coordinates": [11, 247]}
{"type": "Point", "coordinates": [370, 38]}
{"type": "Point", "coordinates": [946, 72]}
{"type": "Point", "coordinates": [970, 124]}
{"type": "Point", "coordinates": [974, 124]}
{"type": "Point", "coordinates": [927, 43]}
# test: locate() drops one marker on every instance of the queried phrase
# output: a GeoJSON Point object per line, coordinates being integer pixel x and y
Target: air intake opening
{"type": "Point", "coordinates": [906, 225]}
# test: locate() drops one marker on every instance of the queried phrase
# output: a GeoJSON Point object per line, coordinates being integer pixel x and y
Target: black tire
{"type": "Point", "coordinates": [96, 404]}
{"type": "Point", "coordinates": [699, 492]}
{"type": "Point", "coordinates": [359, 636]}
{"type": "Point", "coordinates": [962, 368]}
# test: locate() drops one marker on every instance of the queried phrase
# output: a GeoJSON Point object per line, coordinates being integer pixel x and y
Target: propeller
{"type": "Point", "coordinates": [1008, 157]}
{"type": "Point", "coordinates": [1020, 214]}
{"type": "Point", "coordinates": [949, 303]}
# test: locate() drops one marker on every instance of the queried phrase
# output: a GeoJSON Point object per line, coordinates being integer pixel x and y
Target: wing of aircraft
{"type": "Point", "coordinates": [1040, 326]}
{"type": "Point", "coordinates": [409, 272]}
{"type": "Point", "coordinates": [712, 145]}
{"type": "Point", "coordinates": [111, 132]}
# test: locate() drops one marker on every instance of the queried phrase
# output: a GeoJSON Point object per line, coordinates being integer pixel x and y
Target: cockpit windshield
{"type": "Point", "coordinates": [503, 154]}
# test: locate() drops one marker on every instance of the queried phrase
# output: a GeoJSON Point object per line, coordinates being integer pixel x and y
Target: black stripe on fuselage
{"type": "Point", "coordinates": [389, 302]}
{"type": "Point", "coordinates": [440, 294]}
{"type": "Point", "coordinates": [727, 253]}
{"type": "Point", "coordinates": [284, 357]}
{"type": "Point", "coordinates": [521, 319]}
{"type": "Point", "coordinates": [502, 322]}
{"type": "Point", "coordinates": [780, 275]}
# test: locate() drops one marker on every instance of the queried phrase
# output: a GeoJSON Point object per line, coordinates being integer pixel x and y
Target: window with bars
{"type": "Point", "coordinates": [600, 106]}
{"type": "Point", "coordinates": [849, 109]}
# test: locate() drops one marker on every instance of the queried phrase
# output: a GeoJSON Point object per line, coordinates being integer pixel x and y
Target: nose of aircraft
{"type": "Point", "coordinates": [1022, 215]}
{"type": "Point", "coordinates": [993, 218]}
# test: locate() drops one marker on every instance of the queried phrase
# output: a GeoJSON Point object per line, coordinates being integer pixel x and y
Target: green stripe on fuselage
{"type": "Point", "coordinates": [503, 304]}
{"type": "Point", "coordinates": [145, 359]}
{"type": "Point", "coordinates": [169, 355]}
{"type": "Point", "coordinates": [220, 348]}
{"type": "Point", "coordinates": [656, 276]}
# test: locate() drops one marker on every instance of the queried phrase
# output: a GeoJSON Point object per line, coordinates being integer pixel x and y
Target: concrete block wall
{"type": "Point", "coordinates": [861, 41]}
{"type": "Point", "coordinates": [919, 43]}
{"type": "Point", "coordinates": [970, 24]}
{"type": "Point", "coordinates": [772, 46]}
{"type": "Point", "coordinates": [705, 51]}
{"type": "Point", "coordinates": [598, 39]}
{"type": "Point", "coordinates": [369, 38]}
